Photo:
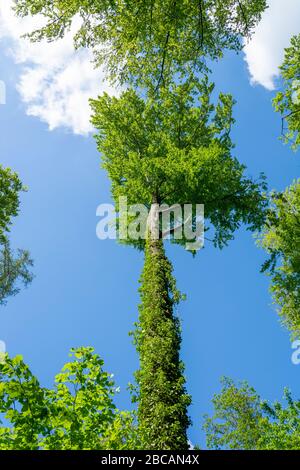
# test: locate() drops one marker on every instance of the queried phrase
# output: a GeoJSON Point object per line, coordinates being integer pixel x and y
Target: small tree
{"type": "Point", "coordinates": [78, 414]}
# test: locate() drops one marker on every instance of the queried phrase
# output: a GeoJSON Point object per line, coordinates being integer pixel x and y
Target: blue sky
{"type": "Point", "coordinates": [85, 290]}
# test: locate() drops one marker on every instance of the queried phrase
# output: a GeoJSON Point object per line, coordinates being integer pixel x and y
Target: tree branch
{"type": "Point", "coordinates": [244, 16]}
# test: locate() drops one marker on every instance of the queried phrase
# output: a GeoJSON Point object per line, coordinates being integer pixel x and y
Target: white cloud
{"type": "Point", "coordinates": [55, 83]}
{"type": "Point", "coordinates": [265, 52]}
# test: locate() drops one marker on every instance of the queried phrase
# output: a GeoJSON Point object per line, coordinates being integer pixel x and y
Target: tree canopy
{"type": "Point", "coordinates": [177, 149]}
{"type": "Point", "coordinates": [287, 102]}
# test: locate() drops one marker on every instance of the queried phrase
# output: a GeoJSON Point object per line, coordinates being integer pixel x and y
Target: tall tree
{"type": "Point", "coordinates": [287, 102]}
{"type": "Point", "coordinates": [146, 40]}
{"type": "Point", "coordinates": [162, 398]}
{"type": "Point", "coordinates": [13, 269]}
{"type": "Point", "coordinates": [173, 150]}
{"type": "Point", "coordinates": [243, 421]}
{"type": "Point", "coordinates": [281, 239]}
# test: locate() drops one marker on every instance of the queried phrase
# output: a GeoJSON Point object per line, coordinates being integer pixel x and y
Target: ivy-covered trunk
{"type": "Point", "coordinates": [163, 401]}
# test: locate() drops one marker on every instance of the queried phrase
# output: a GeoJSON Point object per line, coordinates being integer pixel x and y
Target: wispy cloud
{"type": "Point", "coordinates": [55, 83]}
{"type": "Point", "coordinates": [265, 52]}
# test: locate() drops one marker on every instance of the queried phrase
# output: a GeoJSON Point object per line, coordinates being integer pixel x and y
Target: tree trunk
{"type": "Point", "coordinates": [163, 401]}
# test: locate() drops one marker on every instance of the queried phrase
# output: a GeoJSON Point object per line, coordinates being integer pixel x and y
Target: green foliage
{"type": "Point", "coordinates": [162, 397]}
{"type": "Point", "coordinates": [281, 240]}
{"type": "Point", "coordinates": [171, 147]}
{"type": "Point", "coordinates": [13, 271]}
{"type": "Point", "coordinates": [10, 188]}
{"type": "Point", "coordinates": [149, 40]}
{"type": "Point", "coordinates": [287, 102]}
{"type": "Point", "coordinates": [177, 149]}
{"type": "Point", "coordinates": [78, 414]}
{"type": "Point", "coordinates": [242, 421]}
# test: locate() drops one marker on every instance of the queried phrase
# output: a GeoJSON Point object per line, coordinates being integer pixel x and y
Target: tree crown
{"type": "Point", "coordinates": [149, 40]}
{"type": "Point", "coordinates": [177, 149]}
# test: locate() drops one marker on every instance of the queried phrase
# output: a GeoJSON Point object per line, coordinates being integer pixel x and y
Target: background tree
{"type": "Point", "coordinates": [175, 149]}
{"type": "Point", "coordinates": [242, 421]}
{"type": "Point", "coordinates": [287, 102]}
{"type": "Point", "coordinates": [13, 269]}
{"type": "Point", "coordinates": [77, 414]}
{"type": "Point", "coordinates": [148, 40]}
{"type": "Point", "coordinates": [281, 239]}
